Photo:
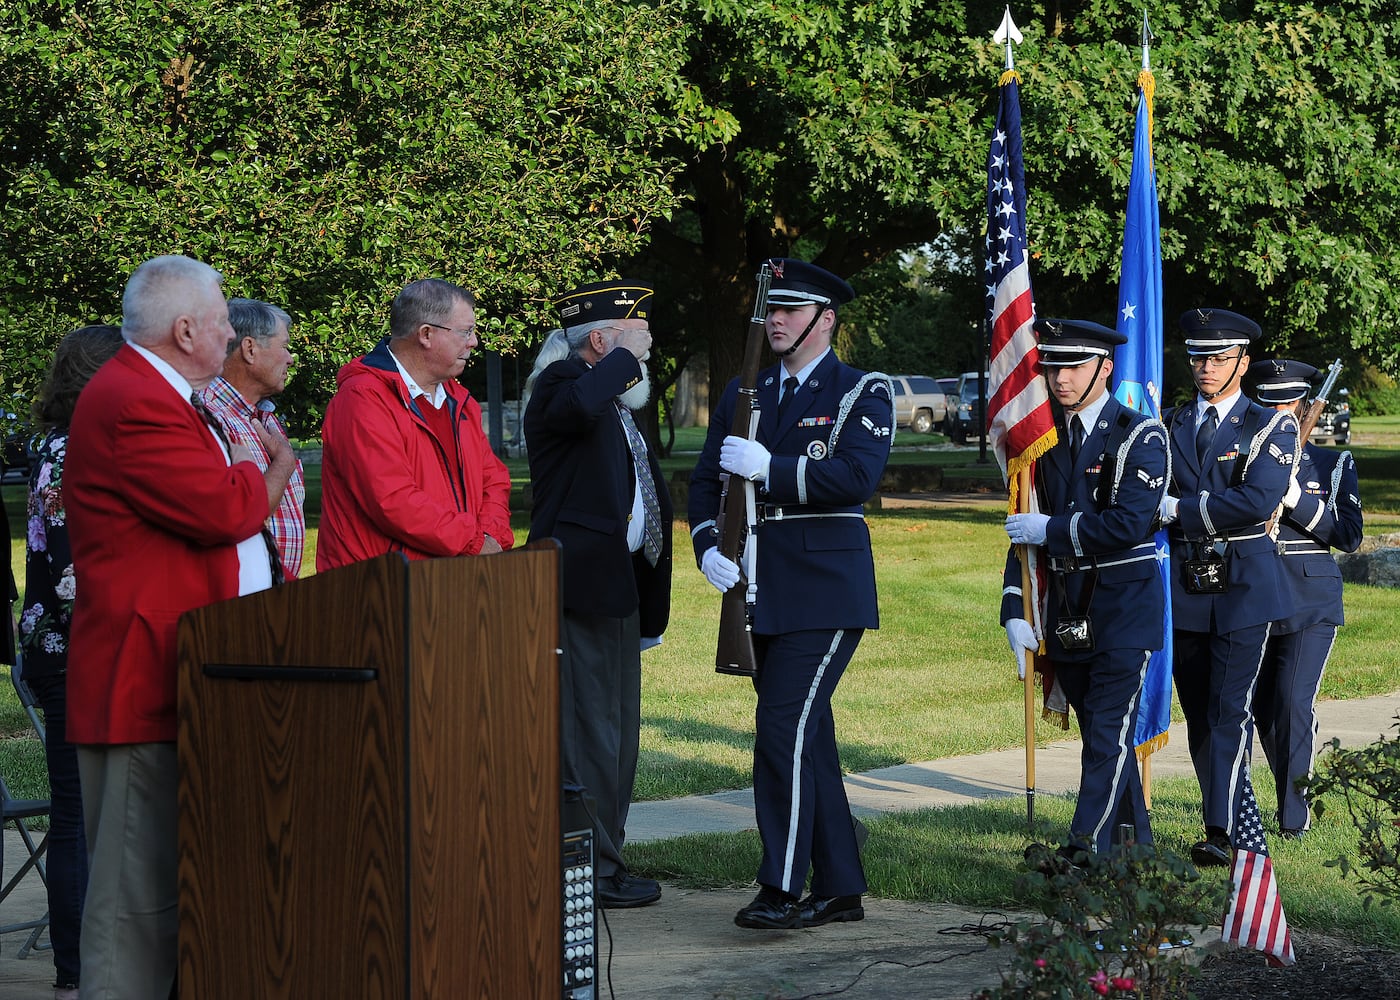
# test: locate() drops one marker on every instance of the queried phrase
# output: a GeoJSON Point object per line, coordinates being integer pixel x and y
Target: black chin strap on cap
{"type": "Point", "coordinates": [1208, 396]}
{"type": "Point", "coordinates": [1098, 367]}
{"type": "Point", "coordinates": [821, 308]}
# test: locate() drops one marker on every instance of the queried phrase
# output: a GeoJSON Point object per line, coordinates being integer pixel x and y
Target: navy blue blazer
{"type": "Point", "coordinates": [1102, 522]}
{"type": "Point", "coordinates": [1214, 507]}
{"type": "Point", "coordinates": [582, 484]}
{"type": "Point", "coordinates": [814, 565]}
{"type": "Point", "coordinates": [1327, 516]}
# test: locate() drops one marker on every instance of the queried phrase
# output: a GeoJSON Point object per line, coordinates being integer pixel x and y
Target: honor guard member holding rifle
{"type": "Point", "coordinates": [1321, 512]}
{"type": "Point", "coordinates": [1099, 490]}
{"type": "Point", "coordinates": [1231, 462]}
{"type": "Point", "coordinates": [824, 434]}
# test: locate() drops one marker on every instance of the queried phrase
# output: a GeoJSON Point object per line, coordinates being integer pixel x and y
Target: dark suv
{"type": "Point", "coordinates": [970, 420]}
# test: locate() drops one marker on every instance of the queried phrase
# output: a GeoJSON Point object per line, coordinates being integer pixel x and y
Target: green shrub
{"type": "Point", "coordinates": [1367, 779]}
{"type": "Point", "coordinates": [1111, 926]}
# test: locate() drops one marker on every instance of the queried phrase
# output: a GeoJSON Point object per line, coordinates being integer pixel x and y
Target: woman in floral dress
{"type": "Point", "coordinates": [50, 589]}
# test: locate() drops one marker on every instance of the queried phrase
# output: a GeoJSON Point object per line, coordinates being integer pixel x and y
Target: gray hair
{"type": "Point", "coordinates": [577, 336]}
{"type": "Point", "coordinates": [428, 300]}
{"type": "Point", "coordinates": [555, 348]}
{"type": "Point", "coordinates": [158, 291]}
{"type": "Point", "coordinates": [256, 319]}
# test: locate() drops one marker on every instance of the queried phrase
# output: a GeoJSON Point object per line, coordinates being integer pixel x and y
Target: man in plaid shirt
{"type": "Point", "coordinates": [254, 372]}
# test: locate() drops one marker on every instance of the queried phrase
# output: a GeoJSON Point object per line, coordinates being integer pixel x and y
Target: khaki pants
{"type": "Point", "coordinates": [131, 914]}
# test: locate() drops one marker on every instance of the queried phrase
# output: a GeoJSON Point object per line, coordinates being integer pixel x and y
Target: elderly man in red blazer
{"type": "Point", "coordinates": [164, 517]}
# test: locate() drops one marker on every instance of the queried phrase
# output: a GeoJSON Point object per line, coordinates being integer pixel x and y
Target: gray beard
{"type": "Point", "coordinates": [637, 396]}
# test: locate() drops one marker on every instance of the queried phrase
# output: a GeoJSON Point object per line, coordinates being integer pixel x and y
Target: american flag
{"type": "Point", "coordinates": [1020, 424]}
{"type": "Point", "coordinates": [1254, 918]}
{"type": "Point", "coordinates": [1138, 374]}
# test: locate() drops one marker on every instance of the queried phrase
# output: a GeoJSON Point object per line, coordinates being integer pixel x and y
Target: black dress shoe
{"type": "Point", "coordinates": [1292, 834]}
{"type": "Point", "coordinates": [771, 909]}
{"type": "Point", "coordinates": [621, 891]}
{"type": "Point", "coordinates": [1213, 852]}
{"type": "Point", "coordinates": [818, 910]}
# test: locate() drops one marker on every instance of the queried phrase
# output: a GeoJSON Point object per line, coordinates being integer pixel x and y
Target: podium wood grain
{"type": "Point", "coordinates": [391, 837]}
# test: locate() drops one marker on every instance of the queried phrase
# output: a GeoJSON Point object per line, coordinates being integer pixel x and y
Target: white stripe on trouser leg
{"type": "Point", "coordinates": [795, 799]}
{"type": "Point", "coordinates": [1124, 753]}
{"type": "Point", "coordinates": [1312, 710]}
{"type": "Point", "coordinates": [1238, 767]}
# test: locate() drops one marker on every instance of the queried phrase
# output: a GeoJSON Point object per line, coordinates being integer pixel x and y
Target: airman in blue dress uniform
{"type": "Point", "coordinates": [824, 435]}
{"type": "Point", "coordinates": [1099, 490]}
{"type": "Point", "coordinates": [1321, 512]}
{"type": "Point", "coordinates": [1231, 462]}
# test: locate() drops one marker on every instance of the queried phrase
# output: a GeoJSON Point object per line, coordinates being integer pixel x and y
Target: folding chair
{"type": "Point", "coordinates": [18, 812]}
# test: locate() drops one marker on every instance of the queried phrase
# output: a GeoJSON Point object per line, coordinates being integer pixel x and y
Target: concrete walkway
{"type": "Point", "coordinates": [687, 946]}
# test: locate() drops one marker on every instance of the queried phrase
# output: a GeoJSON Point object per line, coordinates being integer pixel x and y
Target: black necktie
{"type": "Point", "coordinates": [274, 557]}
{"type": "Point", "coordinates": [1205, 434]}
{"type": "Point", "coordinates": [1076, 438]}
{"type": "Point", "coordinates": [789, 390]}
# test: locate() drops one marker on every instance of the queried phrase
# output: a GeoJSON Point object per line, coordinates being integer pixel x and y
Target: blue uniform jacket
{"type": "Point", "coordinates": [1327, 516]}
{"type": "Point", "coordinates": [1112, 532]}
{"type": "Point", "coordinates": [814, 565]}
{"type": "Point", "coordinates": [1213, 508]}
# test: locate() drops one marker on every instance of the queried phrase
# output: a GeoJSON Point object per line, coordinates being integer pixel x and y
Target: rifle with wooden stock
{"type": "Point", "coordinates": [738, 513]}
{"type": "Point", "coordinates": [1319, 403]}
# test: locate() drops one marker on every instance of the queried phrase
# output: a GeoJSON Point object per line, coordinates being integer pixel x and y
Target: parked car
{"type": "Point", "coordinates": [919, 403]}
{"type": "Point", "coordinates": [969, 418]}
{"type": "Point", "coordinates": [949, 385]}
{"type": "Point", "coordinates": [1335, 423]}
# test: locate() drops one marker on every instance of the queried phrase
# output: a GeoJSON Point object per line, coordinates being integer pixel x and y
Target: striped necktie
{"type": "Point", "coordinates": [651, 507]}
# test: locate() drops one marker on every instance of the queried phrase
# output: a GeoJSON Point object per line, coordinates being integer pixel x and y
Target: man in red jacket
{"type": "Point", "coordinates": [405, 464]}
{"type": "Point", "coordinates": [163, 517]}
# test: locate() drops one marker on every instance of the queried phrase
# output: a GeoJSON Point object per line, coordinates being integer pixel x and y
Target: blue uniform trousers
{"type": "Point", "coordinates": [800, 801]}
{"type": "Point", "coordinates": [1215, 675]}
{"type": "Point", "coordinates": [1104, 693]}
{"type": "Point", "coordinates": [1285, 712]}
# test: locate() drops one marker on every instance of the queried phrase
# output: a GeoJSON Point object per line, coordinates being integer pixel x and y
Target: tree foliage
{"type": "Point", "coordinates": [322, 154]}
{"type": "Point", "coordinates": [863, 131]}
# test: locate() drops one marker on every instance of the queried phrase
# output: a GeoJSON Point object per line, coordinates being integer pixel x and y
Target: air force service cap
{"type": "Point", "coordinates": [1214, 331]}
{"type": "Point", "coordinates": [1068, 343]}
{"type": "Point", "coordinates": [1276, 381]}
{"type": "Point", "coordinates": [601, 300]}
{"type": "Point", "coordinates": [797, 283]}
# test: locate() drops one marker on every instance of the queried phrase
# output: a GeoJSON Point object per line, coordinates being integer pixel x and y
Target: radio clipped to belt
{"type": "Point", "coordinates": [1205, 574]}
{"type": "Point", "coordinates": [1076, 632]}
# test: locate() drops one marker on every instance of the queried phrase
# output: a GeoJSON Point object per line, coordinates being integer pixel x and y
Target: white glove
{"type": "Point", "coordinates": [1027, 529]}
{"type": "Point", "coordinates": [1021, 637]}
{"type": "Point", "coordinates": [722, 573]}
{"type": "Point", "coordinates": [1293, 494]}
{"type": "Point", "coordinates": [744, 458]}
{"type": "Point", "coordinates": [1168, 509]}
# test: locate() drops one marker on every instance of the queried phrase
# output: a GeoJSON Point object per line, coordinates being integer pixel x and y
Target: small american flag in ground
{"type": "Point", "coordinates": [1254, 918]}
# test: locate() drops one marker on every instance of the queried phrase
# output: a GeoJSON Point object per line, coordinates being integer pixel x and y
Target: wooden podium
{"type": "Point", "coordinates": [370, 784]}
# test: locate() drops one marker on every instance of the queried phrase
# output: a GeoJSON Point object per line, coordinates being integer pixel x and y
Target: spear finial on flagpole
{"type": "Point", "coordinates": [1008, 33]}
{"type": "Point", "coordinates": [1146, 41]}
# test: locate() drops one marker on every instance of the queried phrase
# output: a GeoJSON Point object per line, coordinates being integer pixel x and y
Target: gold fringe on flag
{"type": "Point", "coordinates": [1145, 750]}
{"type": "Point", "coordinates": [1034, 450]}
{"type": "Point", "coordinates": [1007, 76]}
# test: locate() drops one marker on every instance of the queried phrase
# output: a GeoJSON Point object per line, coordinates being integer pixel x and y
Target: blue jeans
{"type": "Point", "coordinates": [67, 858]}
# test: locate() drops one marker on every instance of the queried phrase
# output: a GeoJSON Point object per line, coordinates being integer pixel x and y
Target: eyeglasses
{"type": "Point", "coordinates": [468, 332]}
{"type": "Point", "coordinates": [1214, 360]}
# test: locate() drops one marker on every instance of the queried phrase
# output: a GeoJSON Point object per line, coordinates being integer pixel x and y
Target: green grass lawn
{"type": "Point", "coordinates": [935, 680]}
